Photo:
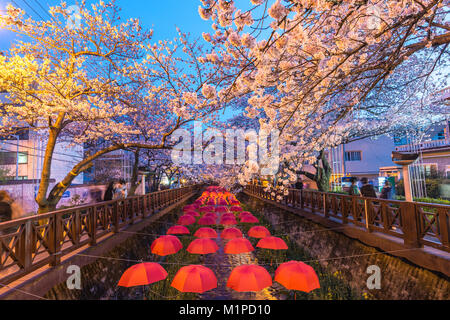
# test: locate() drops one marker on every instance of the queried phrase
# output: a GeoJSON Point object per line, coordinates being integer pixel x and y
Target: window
{"type": "Point", "coordinates": [353, 156]}
{"type": "Point", "coordinates": [23, 133]}
{"type": "Point", "coordinates": [9, 158]}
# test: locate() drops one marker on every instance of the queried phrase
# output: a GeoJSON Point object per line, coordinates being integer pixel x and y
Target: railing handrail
{"type": "Point", "coordinates": [417, 223]}
{"type": "Point", "coordinates": [43, 239]}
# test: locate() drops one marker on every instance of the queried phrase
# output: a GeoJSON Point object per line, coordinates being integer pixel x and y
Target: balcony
{"type": "Point", "coordinates": [432, 144]}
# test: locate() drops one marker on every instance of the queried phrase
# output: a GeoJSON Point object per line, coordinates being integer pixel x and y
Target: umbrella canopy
{"type": "Point", "coordinates": [236, 209]}
{"type": "Point", "coordinates": [221, 209]}
{"type": "Point", "coordinates": [228, 215]}
{"type": "Point", "coordinates": [202, 246]}
{"type": "Point", "coordinates": [231, 233]}
{"type": "Point", "coordinates": [186, 220]}
{"type": "Point", "coordinates": [206, 209]}
{"type": "Point", "coordinates": [249, 219]}
{"type": "Point", "coordinates": [189, 207]}
{"type": "Point", "coordinates": [244, 213]}
{"type": "Point", "coordinates": [272, 243]}
{"type": "Point", "coordinates": [211, 201]}
{"type": "Point", "coordinates": [192, 213]}
{"type": "Point", "coordinates": [211, 215]}
{"type": "Point", "coordinates": [222, 202]}
{"type": "Point", "coordinates": [205, 233]}
{"type": "Point", "coordinates": [206, 221]}
{"type": "Point", "coordinates": [249, 278]}
{"type": "Point", "coordinates": [178, 230]}
{"type": "Point", "coordinates": [228, 221]}
{"type": "Point", "coordinates": [296, 275]}
{"type": "Point", "coordinates": [194, 278]}
{"type": "Point", "coordinates": [238, 245]}
{"type": "Point", "coordinates": [258, 232]}
{"type": "Point", "coordinates": [166, 245]}
{"type": "Point", "coordinates": [142, 274]}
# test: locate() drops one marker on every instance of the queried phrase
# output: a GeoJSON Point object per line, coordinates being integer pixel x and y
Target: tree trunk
{"type": "Point", "coordinates": [135, 174]}
{"type": "Point", "coordinates": [322, 175]}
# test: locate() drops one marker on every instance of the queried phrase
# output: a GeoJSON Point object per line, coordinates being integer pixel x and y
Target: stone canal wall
{"type": "Point", "coordinates": [350, 258]}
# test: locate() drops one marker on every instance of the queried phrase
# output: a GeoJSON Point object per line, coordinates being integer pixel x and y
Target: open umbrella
{"type": "Point", "coordinates": [205, 233]}
{"type": "Point", "coordinates": [231, 233]}
{"type": "Point", "coordinates": [166, 245]}
{"type": "Point", "coordinates": [249, 278]}
{"type": "Point", "coordinates": [211, 215]}
{"type": "Point", "coordinates": [206, 209]}
{"type": "Point", "coordinates": [238, 245]}
{"type": "Point", "coordinates": [236, 209]}
{"type": "Point", "coordinates": [228, 215]}
{"type": "Point", "coordinates": [296, 275]}
{"type": "Point", "coordinates": [244, 213]}
{"type": "Point", "coordinates": [186, 220]}
{"type": "Point", "coordinates": [194, 278]}
{"type": "Point", "coordinates": [192, 213]}
{"type": "Point", "coordinates": [206, 221]}
{"type": "Point", "coordinates": [258, 232]}
{"type": "Point", "coordinates": [273, 243]}
{"type": "Point", "coordinates": [202, 246]}
{"type": "Point", "coordinates": [222, 202]}
{"type": "Point", "coordinates": [228, 221]}
{"type": "Point", "coordinates": [142, 274]}
{"type": "Point", "coordinates": [189, 207]}
{"type": "Point", "coordinates": [178, 230]}
{"type": "Point", "coordinates": [221, 209]}
{"type": "Point", "coordinates": [249, 219]}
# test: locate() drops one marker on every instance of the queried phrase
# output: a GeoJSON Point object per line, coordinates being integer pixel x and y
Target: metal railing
{"type": "Point", "coordinates": [417, 223]}
{"type": "Point", "coordinates": [33, 242]}
{"type": "Point", "coordinates": [432, 144]}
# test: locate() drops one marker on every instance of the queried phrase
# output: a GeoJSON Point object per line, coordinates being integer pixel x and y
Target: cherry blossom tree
{"type": "Point", "coordinates": [313, 68]}
{"type": "Point", "coordinates": [102, 80]}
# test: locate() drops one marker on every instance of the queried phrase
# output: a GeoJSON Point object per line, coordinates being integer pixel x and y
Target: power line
{"type": "Point", "coordinates": [25, 1]}
{"type": "Point", "coordinates": [38, 149]}
{"type": "Point", "coordinates": [19, 7]}
{"type": "Point", "coordinates": [43, 9]}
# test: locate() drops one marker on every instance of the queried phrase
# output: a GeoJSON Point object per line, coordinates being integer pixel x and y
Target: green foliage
{"type": "Point", "coordinates": [427, 200]}
{"type": "Point", "coordinates": [5, 173]}
{"type": "Point", "coordinates": [432, 187]}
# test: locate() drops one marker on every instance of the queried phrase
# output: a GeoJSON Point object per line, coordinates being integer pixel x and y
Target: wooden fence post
{"type": "Point", "coordinates": [410, 226]}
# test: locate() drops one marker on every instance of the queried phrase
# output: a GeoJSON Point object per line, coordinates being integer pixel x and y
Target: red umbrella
{"type": "Point", "coordinates": [166, 245]}
{"type": "Point", "coordinates": [221, 209]}
{"type": "Point", "coordinates": [205, 233]}
{"type": "Point", "coordinates": [189, 207]}
{"type": "Point", "coordinates": [192, 213]}
{"type": "Point", "coordinates": [222, 202]}
{"type": "Point", "coordinates": [238, 245]}
{"type": "Point", "coordinates": [142, 274]}
{"type": "Point", "coordinates": [296, 275]}
{"type": "Point", "coordinates": [228, 221]}
{"type": "Point", "coordinates": [178, 230]}
{"type": "Point", "coordinates": [194, 278]}
{"type": "Point", "coordinates": [272, 243]}
{"type": "Point", "coordinates": [202, 246]}
{"type": "Point", "coordinates": [206, 221]}
{"type": "Point", "coordinates": [249, 219]}
{"type": "Point", "coordinates": [206, 209]}
{"type": "Point", "coordinates": [211, 215]}
{"type": "Point", "coordinates": [228, 215]}
{"type": "Point", "coordinates": [211, 201]}
{"type": "Point", "coordinates": [258, 232]}
{"type": "Point", "coordinates": [249, 278]}
{"type": "Point", "coordinates": [244, 213]}
{"type": "Point", "coordinates": [236, 208]}
{"type": "Point", "coordinates": [186, 220]}
{"type": "Point", "coordinates": [231, 233]}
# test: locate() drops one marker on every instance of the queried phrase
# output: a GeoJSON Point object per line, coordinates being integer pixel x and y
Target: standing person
{"type": "Point", "coordinates": [9, 208]}
{"type": "Point", "coordinates": [367, 190]}
{"type": "Point", "coordinates": [5, 207]}
{"type": "Point", "coordinates": [122, 190]}
{"type": "Point", "coordinates": [386, 191]}
{"type": "Point", "coordinates": [354, 190]}
{"type": "Point", "coordinates": [109, 193]}
{"type": "Point", "coordinates": [299, 184]}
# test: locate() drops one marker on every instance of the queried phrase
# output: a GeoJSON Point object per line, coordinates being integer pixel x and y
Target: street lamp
{"type": "Point", "coordinates": [405, 159]}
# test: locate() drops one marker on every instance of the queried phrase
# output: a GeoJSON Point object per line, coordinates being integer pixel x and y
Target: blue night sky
{"type": "Point", "coordinates": [161, 16]}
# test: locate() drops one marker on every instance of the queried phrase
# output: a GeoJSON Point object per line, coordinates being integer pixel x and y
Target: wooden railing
{"type": "Point", "coordinates": [417, 223]}
{"type": "Point", "coordinates": [31, 243]}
